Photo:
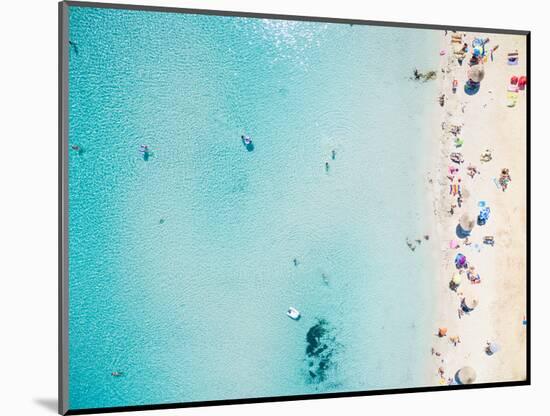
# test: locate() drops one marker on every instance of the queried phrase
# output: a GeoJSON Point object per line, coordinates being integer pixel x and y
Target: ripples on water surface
{"type": "Point", "coordinates": [181, 266]}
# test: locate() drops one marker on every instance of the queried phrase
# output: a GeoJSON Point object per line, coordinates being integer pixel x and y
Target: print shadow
{"type": "Point", "coordinates": [48, 404]}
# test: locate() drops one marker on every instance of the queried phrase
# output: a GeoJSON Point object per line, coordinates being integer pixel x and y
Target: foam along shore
{"type": "Point", "coordinates": [479, 167]}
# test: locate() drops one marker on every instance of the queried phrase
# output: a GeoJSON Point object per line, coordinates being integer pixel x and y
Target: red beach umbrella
{"type": "Point", "coordinates": [522, 82]}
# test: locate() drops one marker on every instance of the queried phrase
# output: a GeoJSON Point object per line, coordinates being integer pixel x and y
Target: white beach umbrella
{"type": "Point", "coordinates": [467, 222]}
{"type": "Point", "coordinates": [471, 302]}
{"type": "Point", "coordinates": [493, 347]}
{"type": "Point", "coordinates": [476, 73]}
{"type": "Point", "coordinates": [466, 375]}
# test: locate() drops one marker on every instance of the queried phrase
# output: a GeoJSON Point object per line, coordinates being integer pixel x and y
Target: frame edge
{"type": "Point", "coordinates": [63, 205]}
{"type": "Point", "coordinates": [63, 263]}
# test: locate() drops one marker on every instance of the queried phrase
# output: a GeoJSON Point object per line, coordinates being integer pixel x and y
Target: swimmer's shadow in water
{"type": "Point", "coordinates": [146, 156]}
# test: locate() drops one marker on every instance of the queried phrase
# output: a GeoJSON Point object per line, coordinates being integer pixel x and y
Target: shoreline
{"type": "Point", "coordinates": [485, 122]}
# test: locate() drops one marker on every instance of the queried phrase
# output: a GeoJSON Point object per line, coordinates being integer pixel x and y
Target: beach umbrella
{"type": "Point", "coordinates": [456, 279]}
{"type": "Point", "coordinates": [460, 260]}
{"type": "Point", "coordinates": [493, 348]}
{"type": "Point", "coordinates": [466, 375]}
{"type": "Point", "coordinates": [467, 222]}
{"type": "Point", "coordinates": [453, 244]}
{"type": "Point", "coordinates": [476, 73]}
{"type": "Point", "coordinates": [514, 80]}
{"type": "Point", "coordinates": [522, 82]}
{"type": "Point", "coordinates": [470, 302]}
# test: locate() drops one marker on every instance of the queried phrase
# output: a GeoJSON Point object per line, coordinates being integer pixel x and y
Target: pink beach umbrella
{"type": "Point", "coordinates": [453, 244]}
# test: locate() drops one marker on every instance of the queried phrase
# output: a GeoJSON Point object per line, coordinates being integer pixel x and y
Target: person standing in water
{"type": "Point", "coordinates": [327, 167]}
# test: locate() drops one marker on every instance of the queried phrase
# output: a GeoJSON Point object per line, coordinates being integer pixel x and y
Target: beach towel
{"type": "Point", "coordinates": [455, 189]}
{"type": "Point", "coordinates": [483, 216]}
{"type": "Point", "coordinates": [456, 39]}
{"type": "Point", "coordinates": [511, 99]}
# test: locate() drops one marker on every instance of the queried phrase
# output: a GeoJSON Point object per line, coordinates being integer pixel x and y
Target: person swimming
{"type": "Point", "coordinates": [77, 149]}
{"type": "Point", "coordinates": [74, 46]}
{"type": "Point", "coordinates": [145, 151]}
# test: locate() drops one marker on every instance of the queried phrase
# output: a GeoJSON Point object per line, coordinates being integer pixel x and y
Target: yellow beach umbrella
{"type": "Point", "coordinates": [456, 279]}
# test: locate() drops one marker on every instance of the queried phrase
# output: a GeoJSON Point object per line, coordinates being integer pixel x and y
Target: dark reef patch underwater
{"type": "Point", "coordinates": [321, 350]}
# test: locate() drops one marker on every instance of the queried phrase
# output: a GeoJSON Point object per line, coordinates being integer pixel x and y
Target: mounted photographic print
{"type": "Point", "coordinates": [264, 208]}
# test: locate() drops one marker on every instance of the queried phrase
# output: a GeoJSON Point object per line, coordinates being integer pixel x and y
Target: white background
{"type": "Point", "coordinates": [28, 205]}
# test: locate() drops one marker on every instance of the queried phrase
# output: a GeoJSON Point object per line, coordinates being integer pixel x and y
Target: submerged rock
{"type": "Point", "coordinates": [424, 76]}
{"type": "Point", "coordinates": [320, 351]}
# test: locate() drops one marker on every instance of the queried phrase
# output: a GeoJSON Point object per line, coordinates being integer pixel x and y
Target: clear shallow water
{"type": "Point", "coordinates": [181, 267]}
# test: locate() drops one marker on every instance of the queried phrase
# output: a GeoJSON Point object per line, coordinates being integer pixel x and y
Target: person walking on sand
{"type": "Point", "coordinates": [505, 179]}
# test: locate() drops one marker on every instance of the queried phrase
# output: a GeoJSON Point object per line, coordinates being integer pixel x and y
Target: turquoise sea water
{"type": "Point", "coordinates": [181, 266]}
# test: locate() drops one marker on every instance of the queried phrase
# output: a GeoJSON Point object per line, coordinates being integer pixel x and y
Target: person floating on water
{"type": "Point", "coordinates": [74, 46]}
{"type": "Point", "coordinates": [247, 141]}
{"type": "Point", "coordinates": [77, 149]}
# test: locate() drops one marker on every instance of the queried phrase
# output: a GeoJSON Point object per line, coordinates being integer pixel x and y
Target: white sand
{"type": "Point", "coordinates": [487, 124]}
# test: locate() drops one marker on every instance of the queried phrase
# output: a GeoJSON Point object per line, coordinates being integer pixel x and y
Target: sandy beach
{"type": "Point", "coordinates": [472, 125]}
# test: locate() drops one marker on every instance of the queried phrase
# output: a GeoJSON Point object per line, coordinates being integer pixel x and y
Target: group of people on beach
{"type": "Point", "coordinates": [453, 131]}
